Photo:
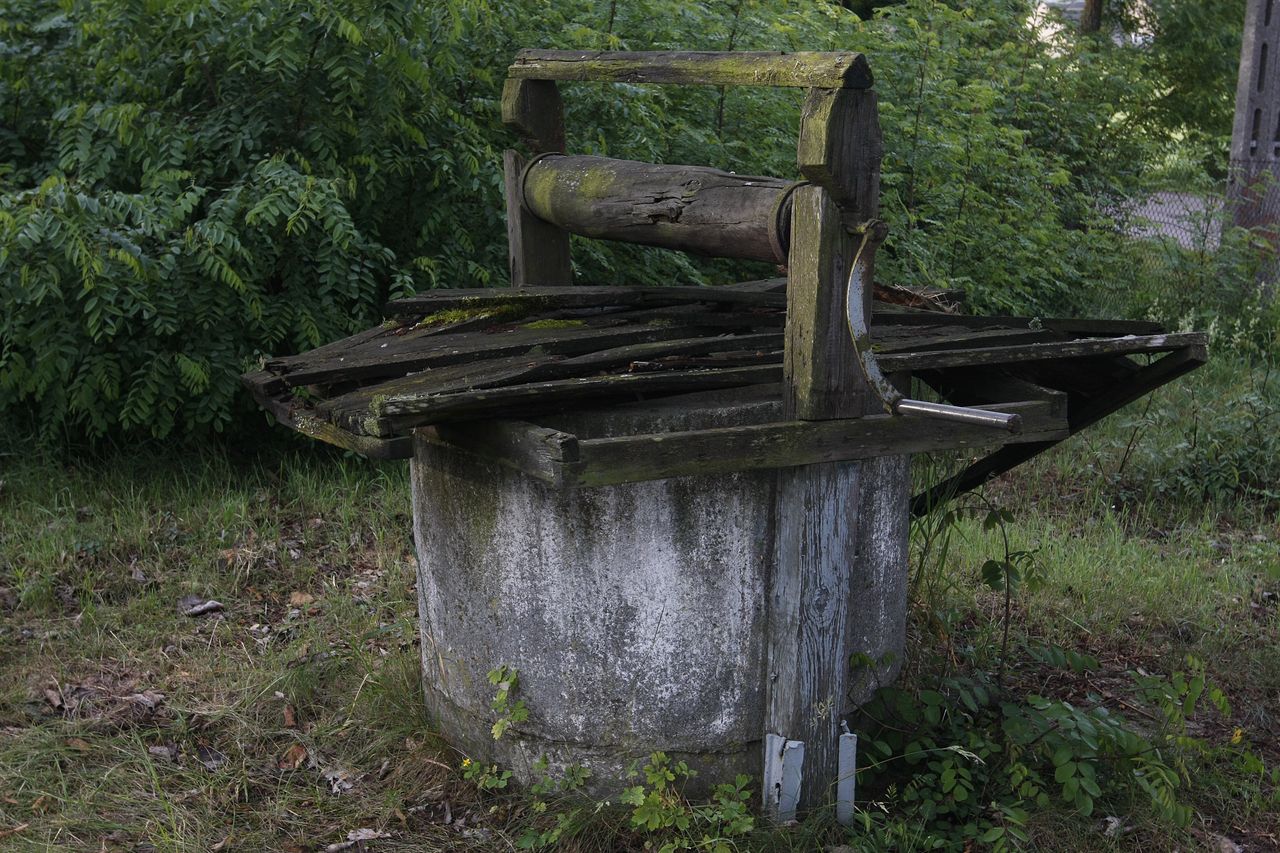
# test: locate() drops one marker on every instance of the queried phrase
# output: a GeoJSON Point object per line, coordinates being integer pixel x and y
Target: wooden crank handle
{"type": "Point", "coordinates": [860, 328]}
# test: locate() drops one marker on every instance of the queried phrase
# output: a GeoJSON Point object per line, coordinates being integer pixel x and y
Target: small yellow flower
{"type": "Point", "coordinates": [466, 762]}
{"type": "Point", "coordinates": [1237, 736]}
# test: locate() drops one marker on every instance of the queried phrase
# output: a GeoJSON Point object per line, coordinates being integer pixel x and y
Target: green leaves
{"type": "Point", "coordinates": [509, 710]}
{"type": "Point", "coordinates": [177, 201]}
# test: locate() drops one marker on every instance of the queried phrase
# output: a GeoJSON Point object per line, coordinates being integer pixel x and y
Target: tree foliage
{"type": "Point", "coordinates": [185, 186]}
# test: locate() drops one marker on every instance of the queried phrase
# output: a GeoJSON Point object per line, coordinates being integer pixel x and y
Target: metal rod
{"type": "Point", "coordinates": [960, 414]}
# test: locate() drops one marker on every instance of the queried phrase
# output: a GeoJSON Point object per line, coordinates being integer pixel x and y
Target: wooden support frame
{"type": "Point", "coordinates": [537, 251]}
{"type": "Point", "coordinates": [1144, 381]}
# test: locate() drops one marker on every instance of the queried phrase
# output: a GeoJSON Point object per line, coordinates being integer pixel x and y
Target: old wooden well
{"type": "Point", "coordinates": [679, 512]}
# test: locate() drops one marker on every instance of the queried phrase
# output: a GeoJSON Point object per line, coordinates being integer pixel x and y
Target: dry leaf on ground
{"type": "Point", "coordinates": [293, 757]}
{"type": "Point", "coordinates": [357, 839]}
{"type": "Point", "coordinates": [103, 699]}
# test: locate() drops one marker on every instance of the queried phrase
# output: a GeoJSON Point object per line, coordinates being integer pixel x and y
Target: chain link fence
{"type": "Point", "coordinates": [1194, 251]}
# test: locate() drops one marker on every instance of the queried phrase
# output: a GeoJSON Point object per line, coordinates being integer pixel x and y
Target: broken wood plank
{"type": "Point", "coordinates": [397, 414]}
{"type": "Point", "coordinates": [1039, 352]}
{"type": "Point", "coordinates": [477, 347]}
{"type": "Point", "coordinates": [294, 415]}
{"type": "Point", "coordinates": [541, 366]}
{"type": "Point", "coordinates": [834, 70]}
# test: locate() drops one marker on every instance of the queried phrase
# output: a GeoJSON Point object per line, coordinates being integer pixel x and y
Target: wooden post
{"type": "Point", "coordinates": [827, 515]}
{"type": "Point", "coordinates": [538, 252]}
{"type": "Point", "coordinates": [839, 152]}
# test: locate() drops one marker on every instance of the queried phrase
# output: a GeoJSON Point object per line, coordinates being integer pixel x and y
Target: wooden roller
{"type": "Point", "coordinates": [691, 208]}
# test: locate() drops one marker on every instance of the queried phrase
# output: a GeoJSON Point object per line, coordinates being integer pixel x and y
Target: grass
{"type": "Point", "coordinates": [292, 717]}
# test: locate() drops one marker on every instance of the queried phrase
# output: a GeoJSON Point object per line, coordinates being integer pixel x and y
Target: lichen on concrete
{"type": "Point", "coordinates": [636, 615]}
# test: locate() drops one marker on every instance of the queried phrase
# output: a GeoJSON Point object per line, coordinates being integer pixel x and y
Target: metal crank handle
{"type": "Point", "coordinates": [958, 414]}
{"type": "Point", "coordinates": [860, 329]}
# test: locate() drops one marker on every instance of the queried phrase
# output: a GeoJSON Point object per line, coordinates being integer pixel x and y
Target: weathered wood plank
{"type": "Point", "coordinates": [738, 68]}
{"type": "Point", "coordinates": [902, 316]}
{"type": "Point", "coordinates": [689, 208]}
{"type": "Point", "coordinates": [823, 378]}
{"type": "Point", "coordinates": [537, 251]}
{"type": "Point", "coordinates": [292, 414]}
{"type": "Point", "coordinates": [845, 594]}
{"type": "Point", "coordinates": [840, 148]}
{"type": "Point", "coordinates": [338, 347]}
{"type": "Point", "coordinates": [1036, 352]}
{"type": "Point", "coordinates": [789, 443]}
{"type": "Point", "coordinates": [397, 414]}
{"type": "Point", "coordinates": [477, 347]}
{"type": "Point", "coordinates": [545, 454]}
{"type": "Point", "coordinates": [899, 339]}
{"type": "Point", "coordinates": [579, 297]}
{"type": "Point", "coordinates": [538, 365]}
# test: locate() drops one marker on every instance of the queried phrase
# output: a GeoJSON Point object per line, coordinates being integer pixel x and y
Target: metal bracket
{"type": "Point", "coordinates": [783, 760]}
{"type": "Point", "coordinates": [846, 778]}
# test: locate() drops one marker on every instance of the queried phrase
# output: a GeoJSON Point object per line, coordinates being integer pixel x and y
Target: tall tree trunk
{"type": "Point", "coordinates": [1091, 17]}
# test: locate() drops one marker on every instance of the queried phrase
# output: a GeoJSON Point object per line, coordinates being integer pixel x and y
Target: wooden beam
{"type": "Point", "coordinates": [1089, 412]}
{"type": "Point", "coordinates": [690, 208]}
{"type": "Point", "coordinates": [626, 459]}
{"type": "Point", "coordinates": [835, 70]}
{"type": "Point", "coordinates": [537, 250]}
{"type": "Point", "coordinates": [545, 454]}
{"type": "Point", "coordinates": [840, 148]}
{"type": "Point", "coordinates": [535, 111]}
{"type": "Point", "coordinates": [559, 458]}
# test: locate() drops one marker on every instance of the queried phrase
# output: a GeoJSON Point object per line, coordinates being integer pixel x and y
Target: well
{"type": "Point", "coordinates": [680, 513]}
{"type": "Point", "coordinates": [638, 616]}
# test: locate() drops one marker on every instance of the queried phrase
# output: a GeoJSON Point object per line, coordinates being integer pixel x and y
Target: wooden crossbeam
{"type": "Point", "coordinates": [803, 69]}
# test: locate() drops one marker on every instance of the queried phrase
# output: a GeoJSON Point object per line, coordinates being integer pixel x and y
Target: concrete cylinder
{"type": "Point", "coordinates": [636, 615]}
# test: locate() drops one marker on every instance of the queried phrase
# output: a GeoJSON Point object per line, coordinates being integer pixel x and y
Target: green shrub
{"type": "Point", "coordinates": [190, 183]}
{"type": "Point", "coordinates": [185, 186]}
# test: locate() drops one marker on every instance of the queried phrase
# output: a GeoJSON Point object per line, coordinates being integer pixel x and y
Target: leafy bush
{"type": "Point", "coordinates": [1213, 442]}
{"type": "Point", "coordinates": [971, 761]}
{"type": "Point", "coordinates": [186, 186]}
